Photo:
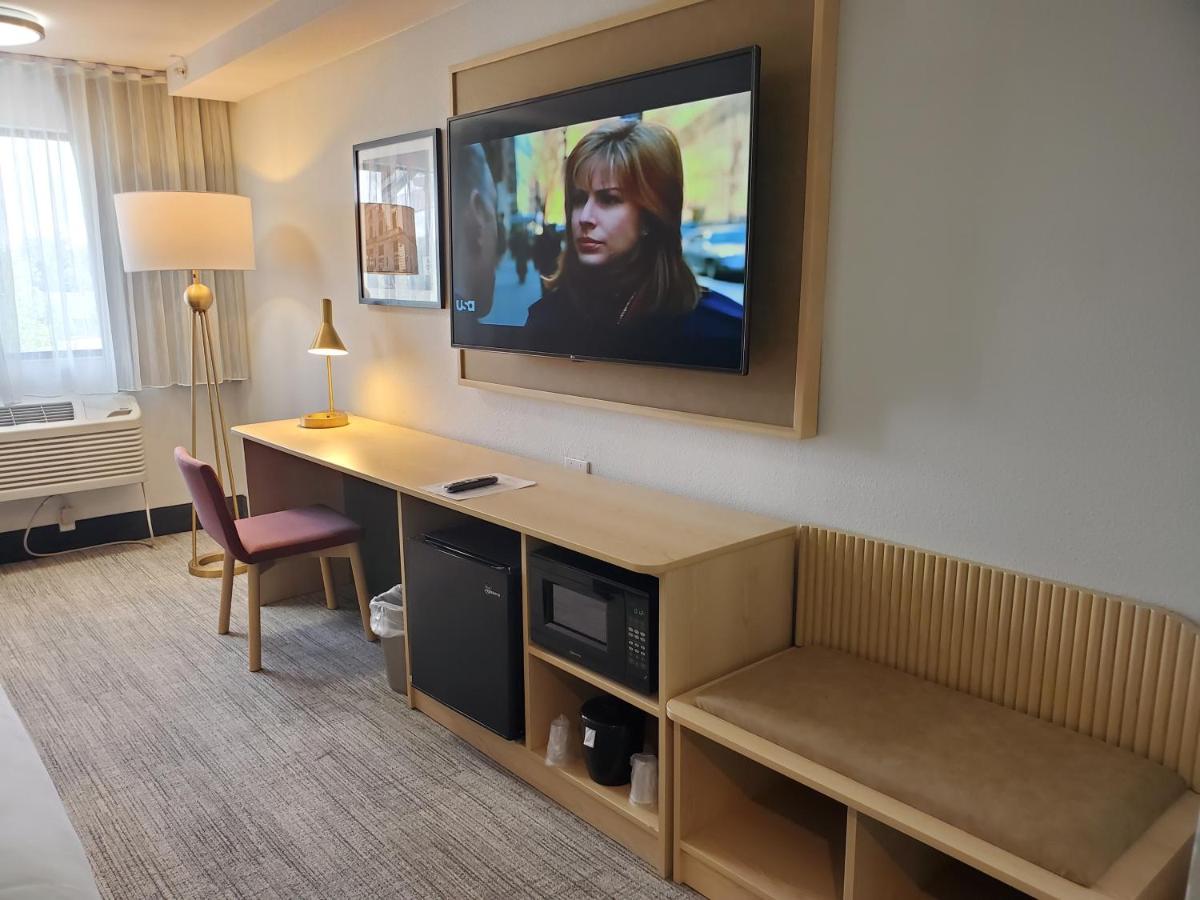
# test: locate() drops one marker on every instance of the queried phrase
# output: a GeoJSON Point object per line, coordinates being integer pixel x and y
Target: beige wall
{"type": "Point", "coordinates": [1011, 367]}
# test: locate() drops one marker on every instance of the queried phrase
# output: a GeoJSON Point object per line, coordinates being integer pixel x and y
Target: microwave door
{"type": "Point", "coordinates": [585, 624]}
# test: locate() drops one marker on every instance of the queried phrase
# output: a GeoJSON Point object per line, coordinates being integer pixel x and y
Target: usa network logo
{"type": "Point", "coordinates": [464, 305]}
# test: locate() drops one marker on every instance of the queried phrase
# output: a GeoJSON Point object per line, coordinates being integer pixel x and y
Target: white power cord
{"type": "Point", "coordinates": [149, 542]}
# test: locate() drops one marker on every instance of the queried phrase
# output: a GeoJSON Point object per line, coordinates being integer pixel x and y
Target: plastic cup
{"type": "Point", "coordinates": [644, 788]}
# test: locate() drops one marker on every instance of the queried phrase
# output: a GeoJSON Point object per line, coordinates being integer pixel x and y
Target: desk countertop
{"type": "Point", "coordinates": [635, 527]}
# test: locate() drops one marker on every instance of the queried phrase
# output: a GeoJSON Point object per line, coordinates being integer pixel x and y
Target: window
{"type": "Point", "coordinates": [45, 261]}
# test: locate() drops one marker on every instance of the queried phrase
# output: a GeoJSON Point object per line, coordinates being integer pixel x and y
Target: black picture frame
{"type": "Point", "coordinates": [404, 263]}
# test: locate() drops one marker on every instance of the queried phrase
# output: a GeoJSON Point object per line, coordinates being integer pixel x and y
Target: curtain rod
{"type": "Point", "coordinates": [87, 64]}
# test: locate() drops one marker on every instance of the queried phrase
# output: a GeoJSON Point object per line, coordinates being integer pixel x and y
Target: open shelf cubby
{"type": "Point", "coordinates": [647, 704]}
{"type": "Point", "coordinates": [616, 797]}
{"type": "Point", "coordinates": [884, 862]}
{"type": "Point", "coordinates": [554, 691]}
{"type": "Point", "coordinates": [745, 828]}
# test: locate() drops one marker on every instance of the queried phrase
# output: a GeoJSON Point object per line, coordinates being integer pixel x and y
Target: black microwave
{"type": "Point", "coordinates": [597, 615]}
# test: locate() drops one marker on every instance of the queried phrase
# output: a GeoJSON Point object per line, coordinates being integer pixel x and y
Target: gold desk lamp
{"type": "Point", "coordinates": [192, 231]}
{"type": "Point", "coordinates": [327, 344]}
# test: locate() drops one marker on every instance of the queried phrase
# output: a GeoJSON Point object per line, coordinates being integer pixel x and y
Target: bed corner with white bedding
{"type": "Point", "coordinates": [41, 857]}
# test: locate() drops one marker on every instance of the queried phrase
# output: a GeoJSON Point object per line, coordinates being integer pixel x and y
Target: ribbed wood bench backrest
{"type": "Point", "coordinates": [1108, 667]}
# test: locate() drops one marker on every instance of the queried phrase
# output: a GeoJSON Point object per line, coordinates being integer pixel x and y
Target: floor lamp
{"type": "Point", "coordinates": [192, 231]}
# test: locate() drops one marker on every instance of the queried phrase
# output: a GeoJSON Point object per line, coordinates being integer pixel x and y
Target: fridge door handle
{"type": "Point", "coordinates": [458, 554]}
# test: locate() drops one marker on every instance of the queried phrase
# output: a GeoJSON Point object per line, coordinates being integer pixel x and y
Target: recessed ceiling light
{"type": "Point", "coordinates": [19, 27]}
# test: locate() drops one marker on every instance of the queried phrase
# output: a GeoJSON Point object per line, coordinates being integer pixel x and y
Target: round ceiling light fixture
{"type": "Point", "coordinates": [19, 27]}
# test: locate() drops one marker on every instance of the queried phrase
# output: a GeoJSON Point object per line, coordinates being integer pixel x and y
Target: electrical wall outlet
{"type": "Point", "coordinates": [66, 519]}
{"type": "Point", "coordinates": [581, 464]}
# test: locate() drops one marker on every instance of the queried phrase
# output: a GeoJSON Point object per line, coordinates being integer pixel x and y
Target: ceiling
{"type": "Point", "coordinates": [137, 33]}
{"type": "Point", "coordinates": [230, 49]}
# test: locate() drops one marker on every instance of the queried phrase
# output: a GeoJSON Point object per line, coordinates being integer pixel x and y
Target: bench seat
{"type": "Point", "coordinates": [1066, 802]}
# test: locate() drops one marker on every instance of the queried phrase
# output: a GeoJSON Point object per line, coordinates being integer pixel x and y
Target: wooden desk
{"type": "Point", "coordinates": [634, 527]}
{"type": "Point", "coordinates": [725, 580]}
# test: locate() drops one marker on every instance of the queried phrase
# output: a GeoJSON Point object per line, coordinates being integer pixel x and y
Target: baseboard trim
{"type": "Point", "coordinates": [126, 526]}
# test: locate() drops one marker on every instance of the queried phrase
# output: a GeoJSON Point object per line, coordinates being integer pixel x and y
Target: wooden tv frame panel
{"type": "Point", "coordinates": [779, 396]}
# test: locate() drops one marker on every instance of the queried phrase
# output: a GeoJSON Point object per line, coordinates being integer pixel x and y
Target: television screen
{"type": "Point", "coordinates": [611, 222]}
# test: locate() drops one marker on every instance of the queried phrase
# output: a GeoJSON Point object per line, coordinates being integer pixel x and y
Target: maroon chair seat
{"type": "Point", "coordinates": [262, 541]}
{"type": "Point", "coordinates": [293, 531]}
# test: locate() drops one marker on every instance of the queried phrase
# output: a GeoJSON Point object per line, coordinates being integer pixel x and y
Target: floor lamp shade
{"type": "Point", "coordinates": [172, 230]}
{"type": "Point", "coordinates": [194, 231]}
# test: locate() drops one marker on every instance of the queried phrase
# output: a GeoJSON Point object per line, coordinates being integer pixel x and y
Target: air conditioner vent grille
{"type": "Point", "coordinates": [36, 413]}
{"type": "Point", "coordinates": [70, 461]}
{"type": "Point", "coordinates": [65, 444]}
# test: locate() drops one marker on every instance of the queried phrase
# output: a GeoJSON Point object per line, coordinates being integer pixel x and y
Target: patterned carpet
{"type": "Point", "coordinates": [186, 776]}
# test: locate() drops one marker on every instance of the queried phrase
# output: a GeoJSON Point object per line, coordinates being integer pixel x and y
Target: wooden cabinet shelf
{"type": "Point", "coordinates": [958, 881]}
{"type": "Point", "coordinates": [746, 828]}
{"type": "Point", "coordinates": [725, 585]}
{"type": "Point", "coordinates": [772, 850]}
{"type": "Point", "coordinates": [881, 861]}
{"type": "Point", "coordinates": [560, 688]}
{"type": "Point", "coordinates": [575, 772]}
{"type": "Point", "coordinates": [646, 704]}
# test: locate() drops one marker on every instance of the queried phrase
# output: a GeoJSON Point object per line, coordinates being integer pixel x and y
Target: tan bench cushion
{"type": "Point", "coordinates": [1069, 803]}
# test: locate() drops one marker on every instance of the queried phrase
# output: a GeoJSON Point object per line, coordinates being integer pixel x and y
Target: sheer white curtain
{"type": "Point", "coordinates": [54, 327]}
{"type": "Point", "coordinates": [71, 319]}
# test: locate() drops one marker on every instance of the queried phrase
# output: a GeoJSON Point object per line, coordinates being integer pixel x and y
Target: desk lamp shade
{"type": "Point", "coordinates": [191, 231]}
{"type": "Point", "coordinates": [327, 344]}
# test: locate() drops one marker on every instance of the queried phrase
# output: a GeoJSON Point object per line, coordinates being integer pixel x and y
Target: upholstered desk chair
{"type": "Point", "coordinates": [262, 541]}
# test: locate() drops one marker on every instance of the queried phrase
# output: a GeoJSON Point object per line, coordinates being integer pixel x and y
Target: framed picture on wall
{"type": "Point", "coordinates": [398, 220]}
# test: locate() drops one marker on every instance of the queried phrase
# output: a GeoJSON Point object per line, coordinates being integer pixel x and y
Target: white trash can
{"type": "Point", "coordinates": [387, 621]}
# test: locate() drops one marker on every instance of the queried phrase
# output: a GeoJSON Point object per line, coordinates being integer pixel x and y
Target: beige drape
{"type": "Point", "coordinates": [143, 139]}
{"type": "Point", "coordinates": [71, 319]}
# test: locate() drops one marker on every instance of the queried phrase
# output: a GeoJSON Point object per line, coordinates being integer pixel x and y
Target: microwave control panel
{"type": "Point", "coordinates": [639, 653]}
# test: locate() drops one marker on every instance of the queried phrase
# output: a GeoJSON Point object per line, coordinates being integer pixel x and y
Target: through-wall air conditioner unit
{"type": "Point", "coordinates": [67, 444]}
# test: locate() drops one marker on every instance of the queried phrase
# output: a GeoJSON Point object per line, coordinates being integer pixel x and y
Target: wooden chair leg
{"type": "Point", "coordinates": [360, 588]}
{"type": "Point", "coordinates": [327, 581]}
{"type": "Point", "coordinates": [254, 626]}
{"type": "Point", "coordinates": [226, 592]}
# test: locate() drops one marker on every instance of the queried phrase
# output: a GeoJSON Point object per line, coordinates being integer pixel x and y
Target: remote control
{"type": "Point", "coordinates": [469, 484]}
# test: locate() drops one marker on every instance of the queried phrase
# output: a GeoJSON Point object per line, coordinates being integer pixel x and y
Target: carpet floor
{"type": "Point", "coordinates": [187, 776]}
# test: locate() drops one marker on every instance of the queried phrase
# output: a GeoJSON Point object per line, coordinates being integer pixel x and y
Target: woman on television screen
{"type": "Point", "coordinates": [622, 288]}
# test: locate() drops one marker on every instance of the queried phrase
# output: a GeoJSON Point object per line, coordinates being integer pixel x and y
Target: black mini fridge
{"type": "Point", "coordinates": [463, 590]}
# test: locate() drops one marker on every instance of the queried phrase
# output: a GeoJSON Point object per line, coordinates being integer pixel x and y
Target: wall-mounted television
{"type": "Point", "coordinates": [610, 222]}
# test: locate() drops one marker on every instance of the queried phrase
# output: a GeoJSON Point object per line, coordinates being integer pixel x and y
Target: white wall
{"type": "Point", "coordinates": [1011, 369]}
